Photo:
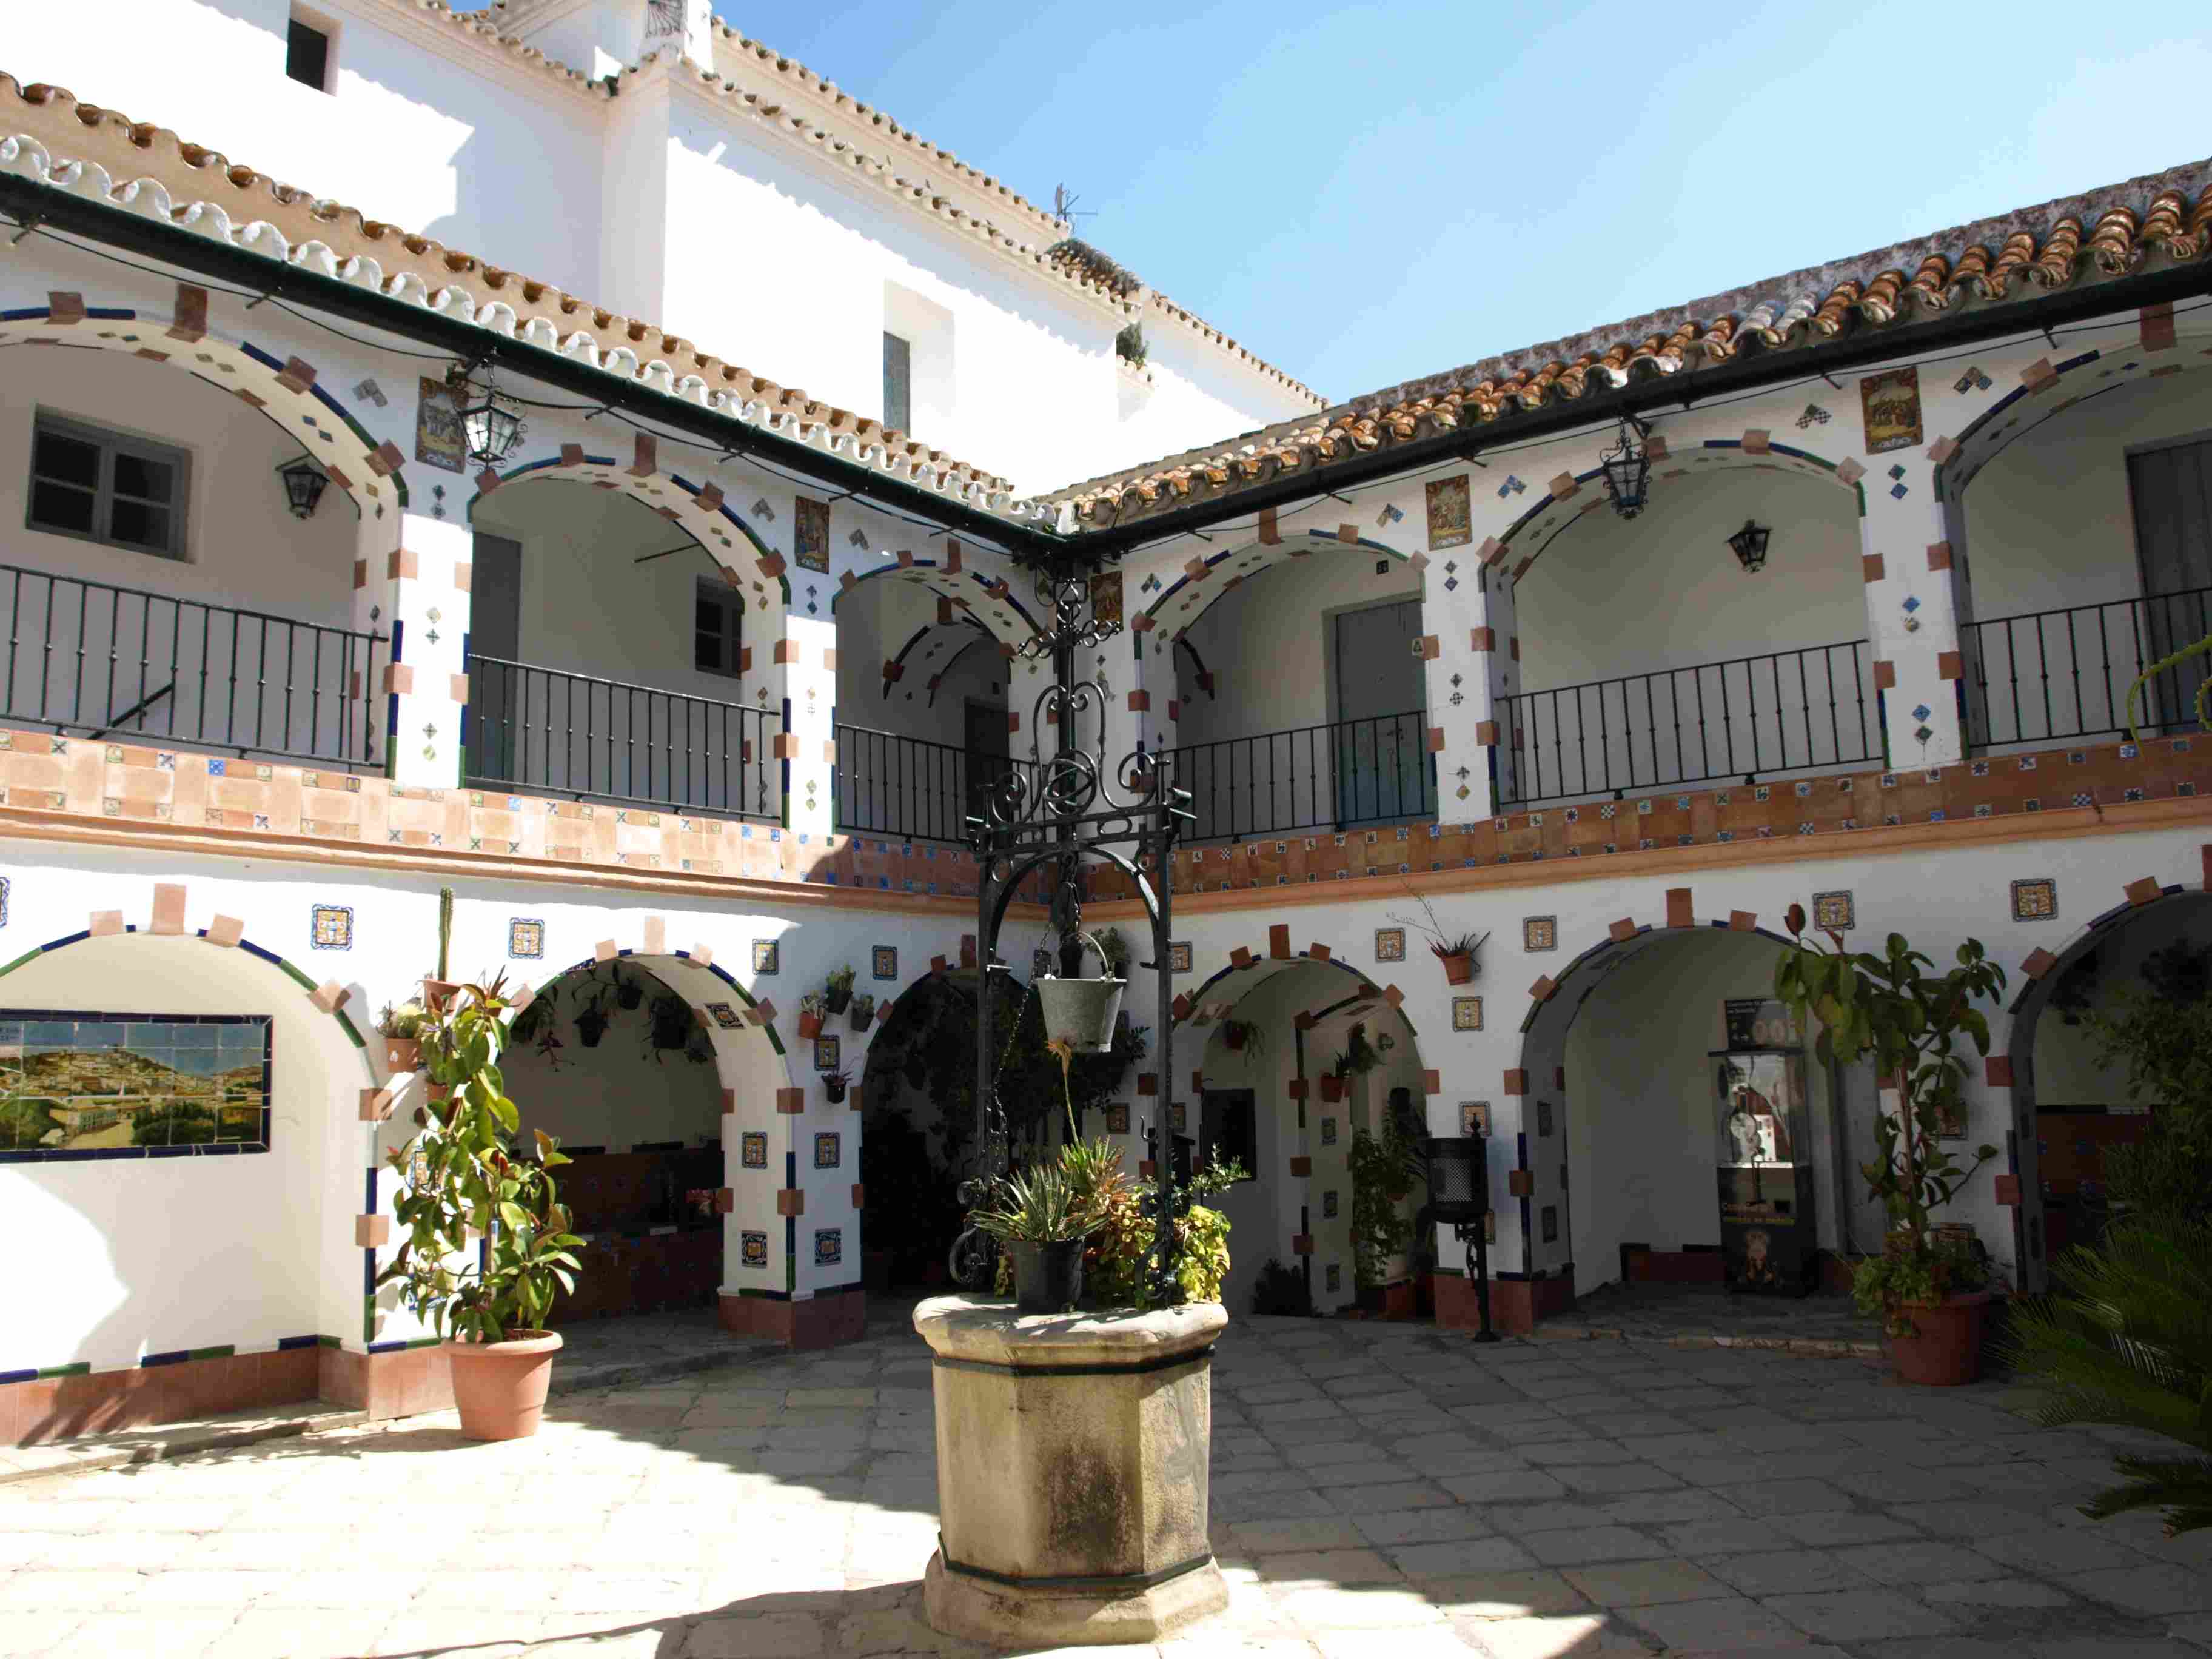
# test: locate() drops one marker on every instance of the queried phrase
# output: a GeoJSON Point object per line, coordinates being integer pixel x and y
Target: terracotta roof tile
{"type": "Point", "coordinates": [2097, 235]}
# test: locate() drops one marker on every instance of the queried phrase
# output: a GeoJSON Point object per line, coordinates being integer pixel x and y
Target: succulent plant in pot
{"type": "Point", "coordinates": [862, 1011]}
{"type": "Point", "coordinates": [401, 1028]}
{"type": "Point", "coordinates": [812, 1008]}
{"type": "Point", "coordinates": [833, 1084]}
{"type": "Point", "coordinates": [1459, 949]}
{"type": "Point", "coordinates": [840, 988]}
{"type": "Point", "coordinates": [464, 1178]}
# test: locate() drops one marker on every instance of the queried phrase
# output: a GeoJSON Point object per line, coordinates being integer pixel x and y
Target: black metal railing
{"type": "Point", "coordinates": [888, 784]}
{"type": "Point", "coordinates": [572, 734]}
{"type": "Point", "coordinates": [2046, 675]}
{"type": "Point", "coordinates": [1361, 771]}
{"type": "Point", "coordinates": [125, 662]}
{"type": "Point", "coordinates": [1782, 711]}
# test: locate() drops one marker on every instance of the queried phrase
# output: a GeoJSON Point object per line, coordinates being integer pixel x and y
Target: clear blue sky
{"type": "Point", "coordinates": [1364, 193]}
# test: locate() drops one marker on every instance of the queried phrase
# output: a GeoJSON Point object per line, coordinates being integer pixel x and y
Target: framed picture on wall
{"type": "Point", "coordinates": [1543, 1118]}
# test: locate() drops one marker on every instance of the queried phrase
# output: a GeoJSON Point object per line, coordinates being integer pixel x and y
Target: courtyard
{"type": "Point", "coordinates": [1378, 1488]}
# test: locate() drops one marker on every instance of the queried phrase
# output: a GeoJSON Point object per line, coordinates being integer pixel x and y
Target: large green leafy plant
{"type": "Point", "coordinates": [464, 1180]}
{"type": "Point", "coordinates": [1910, 1021]}
{"type": "Point", "coordinates": [1385, 1167]}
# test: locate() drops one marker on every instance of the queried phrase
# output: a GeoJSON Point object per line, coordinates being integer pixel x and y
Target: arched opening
{"type": "Point", "coordinates": [1301, 703]}
{"type": "Point", "coordinates": [611, 650]}
{"type": "Point", "coordinates": [1651, 1067]}
{"type": "Point", "coordinates": [1648, 655]}
{"type": "Point", "coordinates": [173, 1154]}
{"type": "Point", "coordinates": [2081, 520]}
{"type": "Point", "coordinates": [1271, 1035]}
{"type": "Point", "coordinates": [922, 708]}
{"type": "Point", "coordinates": [2070, 1096]}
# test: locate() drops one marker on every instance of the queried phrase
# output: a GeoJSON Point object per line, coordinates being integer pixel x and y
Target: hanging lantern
{"type": "Point", "coordinates": [1750, 545]}
{"type": "Point", "coordinates": [489, 425]}
{"type": "Point", "coordinates": [1627, 470]}
{"type": "Point", "coordinates": [1081, 1012]}
{"type": "Point", "coordinates": [303, 485]}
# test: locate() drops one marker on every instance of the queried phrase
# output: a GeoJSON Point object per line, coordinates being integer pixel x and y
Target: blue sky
{"type": "Point", "coordinates": [1365, 193]}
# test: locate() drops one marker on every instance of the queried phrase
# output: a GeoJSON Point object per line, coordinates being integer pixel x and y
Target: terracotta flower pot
{"type": "Point", "coordinates": [1398, 1300]}
{"type": "Point", "coordinates": [437, 992]}
{"type": "Point", "coordinates": [1458, 970]}
{"type": "Point", "coordinates": [401, 1055]}
{"type": "Point", "coordinates": [1332, 1088]}
{"type": "Point", "coordinates": [500, 1387]}
{"type": "Point", "coordinates": [1234, 1039]}
{"type": "Point", "coordinates": [1946, 1350]}
{"type": "Point", "coordinates": [809, 1026]}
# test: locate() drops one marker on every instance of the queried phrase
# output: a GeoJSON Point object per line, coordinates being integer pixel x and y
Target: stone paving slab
{"type": "Point", "coordinates": [1425, 1496]}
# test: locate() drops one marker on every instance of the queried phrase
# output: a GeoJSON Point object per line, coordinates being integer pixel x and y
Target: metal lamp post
{"type": "Point", "coordinates": [1459, 1197]}
{"type": "Point", "coordinates": [1067, 811]}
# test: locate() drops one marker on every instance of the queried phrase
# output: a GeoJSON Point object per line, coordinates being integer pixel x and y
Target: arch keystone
{"type": "Point", "coordinates": [1678, 912]}
{"type": "Point", "coordinates": [2143, 891]}
{"type": "Point", "coordinates": [1623, 930]}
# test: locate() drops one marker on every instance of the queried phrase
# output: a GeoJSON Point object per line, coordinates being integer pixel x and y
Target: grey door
{"type": "Point", "coordinates": [497, 695]}
{"type": "Point", "coordinates": [1383, 768]}
{"type": "Point", "coordinates": [2171, 490]}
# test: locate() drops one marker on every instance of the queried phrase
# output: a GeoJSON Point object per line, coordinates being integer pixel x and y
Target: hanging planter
{"type": "Point", "coordinates": [833, 1084]}
{"type": "Point", "coordinates": [1081, 1012]}
{"type": "Point", "coordinates": [840, 989]}
{"type": "Point", "coordinates": [629, 994]}
{"type": "Point", "coordinates": [863, 1012]}
{"type": "Point", "coordinates": [591, 1025]}
{"type": "Point", "coordinates": [812, 1008]}
{"type": "Point", "coordinates": [1332, 1086]}
{"type": "Point", "coordinates": [671, 1021]}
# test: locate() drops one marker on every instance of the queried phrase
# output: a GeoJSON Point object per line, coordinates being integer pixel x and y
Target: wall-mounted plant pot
{"type": "Point", "coordinates": [837, 999]}
{"type": "Point", "coordinates": [438, 993]}
{"type": "Point", "coordinates": [629, 993]}
{"type": "Point", "coordinates": [1332, 1088]}
{"type": "Point", "coordinates": [1234, 1038]}
{"type": "Point", "coordinates": [440, 1092]}
{"type": "Point", "coordinates": [1458, 970]}
{"type": "Point", "coordinates": [835, 1092]}
{"type": "Point", "coordinates": [591, 1026]}
{"type": "Point", "coordinates": [809, 1026]}
{"type": "Point", "coordinates": [862, 1021]}
{"type": "Point", "coordinates": [1945, 1350]}
{"type": "Point", "coordinates": [401, 1055]}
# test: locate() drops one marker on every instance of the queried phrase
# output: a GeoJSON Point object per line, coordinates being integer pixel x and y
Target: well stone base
{"type": "Point", "coordinates": [1027, 1615]}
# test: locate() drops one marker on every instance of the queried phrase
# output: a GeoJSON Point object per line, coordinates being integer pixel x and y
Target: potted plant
{"type": "Point", "coordinates": [1331, 1080]}
{"type": "Point", "coordinates": [1384, 1169]}
{"type": "Point", "coordinates": [438, 991]}
{"type": "Point", "coordinates": [840, 988]}
{"type": "Point", "coordinates": [812, 1008]}
{"type": "Point", "coordinates": [833, 1084]}
{"type": "Point", "coordinates": [1457, 949]}
{"type": "Point", "coordinates": [1243, 1036]}
{"type": "Point", "coordinates": [1044, 1219]}
{"type": "Point", "coordinates": [863, 1011]}
{"type": "Point", "coordinates": [1929, 1291]}
{"type": "Point", "coordinates": [401, 1028]}
{"type": "Point", "coordinates": [593, 1018]}
{"type": "Point", "coordinates": [1114, 948]}
{"type": "Point", "coordinates": [669, 1024]}
{"type": "Point", "coordinates": [464, 1180]}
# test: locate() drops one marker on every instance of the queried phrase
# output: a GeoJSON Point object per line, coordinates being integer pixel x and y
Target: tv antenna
{"type": "Point", "coordinates": [1063, 208]}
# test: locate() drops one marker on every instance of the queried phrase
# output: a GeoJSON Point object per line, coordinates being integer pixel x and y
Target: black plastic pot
{"type": "Point", "coordinates": [838, 998]}
{"type": "Point", "coordinates": [835, 1092]}
{"type": "Point", "coordinates": [1048, 1277]}
{"type": "Point", "coordinates": [591, 1026]}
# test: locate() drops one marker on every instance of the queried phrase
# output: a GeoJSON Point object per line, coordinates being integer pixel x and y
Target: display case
{"type": "Point", "coordinates": [1764, 1155]}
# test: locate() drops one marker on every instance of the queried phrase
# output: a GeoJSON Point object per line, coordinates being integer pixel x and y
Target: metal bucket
{"type": "Point", "coordinates": [1080, 1012]}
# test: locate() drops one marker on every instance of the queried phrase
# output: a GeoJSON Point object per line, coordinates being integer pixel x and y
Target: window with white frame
{"type": "Point", "coordinates": [717, 610]}
{"type": "Point", "coordinates": [100, 485]}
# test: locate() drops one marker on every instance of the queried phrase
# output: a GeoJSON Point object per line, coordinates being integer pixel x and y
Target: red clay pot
{"type": "Point", "coordinates": [1332, 1088]}
{"type": "Point", "coordinates": [437, 992]}
{"type": "Point", "coordinates": [1398, 1300]}
{"type": "Point", "coordinates": [401, 1055]}
{"type": "Point", "coordinates": [1947, 1350]}
{"type": "Point", "coordinates": [1458, 970]}
{"type": "Point", "coordinates": [809, 1026]}
{"type": "Point", "coordinates": [500, 1387]}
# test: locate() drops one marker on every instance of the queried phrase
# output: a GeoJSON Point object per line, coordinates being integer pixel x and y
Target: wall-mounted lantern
{"type": "Point", "coordinates": [489, 422]}
{"type": "Point", "coordinates": [1750, 545]}
{"type": "Point", "coordinates": [304, 483]}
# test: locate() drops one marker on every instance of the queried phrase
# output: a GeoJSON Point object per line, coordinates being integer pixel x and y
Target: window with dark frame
{"type": "Point", "coordinates": [899, 383]}
{"type": "Point", "coordinates": [717, 610]}
{"type": "Point", "coordinates": [307, 55]}
{"type": "Point", "coordinates": [108, 486]}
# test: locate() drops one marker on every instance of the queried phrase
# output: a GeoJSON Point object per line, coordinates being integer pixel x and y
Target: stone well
{"type": "Point", "coordinates": [1072, 1454]}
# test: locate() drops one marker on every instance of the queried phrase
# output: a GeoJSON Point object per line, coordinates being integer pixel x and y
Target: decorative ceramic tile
{"type": "Point", "coordinates": [1332, 1276]}
{"type": "Point", "coordinates": [1543, 1118]}
{"type": "Point", "coordinates": [753, 1250]}
{"type": "Point", "coordinates": [768, 956]}
{"type": "Point", "coordinates": [724, 1015]}
{"type": "Point", "coordinates": [829, 1150]}
{"type": "Point", "coordinates": [1179, 956]}
{"type": "Point", "coordinates": [1329, 1132]}
{"type": "Point", "coordinates": [1834, 912]}
{"type": "Point", "coordinates": [332, 927]}
{"type": "Point", "coordinates": [752, 1150]}
{"type": "Point", "coordinates": [2035, 899]}
{"type": "Point", "coordinates": [829, 1246]}
{"type": "Point", "coordinates": [828, 1053]}
{"type": "Point", "coordinates": [84, 1085]}
{"type": "Point", "coordinates": [3, 901]}
{"type": "Point", "coordinates": [1389, 944]}
{"type": "Point", "coordinates": [1117, 1117]}
{"type": "Point", "coordinates": [1450, 522]}
{"type": "Point", "coordinates": [1467, 1013]}
{"type": "Point", "coordinates": [1474, 1118]}
{"type": "Point", "coordinates": [1539, 933]}
{"type": "Point", "coordinates": [1179, 1116]}
{"type": "Point", "coordinates": [1328, 1206]}
{"type": "Point", "coordinates": [810, 536]}
{"type": "Point", "coordinates": [525, 937]}
{"type": "Point", "coordinates": [884, 962]}
{"type": "Point", "coordinates": [1549, 1223]}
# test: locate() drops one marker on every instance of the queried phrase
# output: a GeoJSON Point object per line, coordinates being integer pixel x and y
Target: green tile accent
{"type": "Point", "coordinates": [368, 1319]}
{"type": "Point", "coordinates": [221, 1351]}
{"type": "Point", "coordinates": [426, 1342]}
{"type": "Point", "coordinates": [351, 1030]}
{"type": "Point", "coordinates": [328, 1342]}
{"type": "Point", "coordinates": [21, 960]}
{"type": "Point", "coordinates": [305, 983]}
{"type": "Point", "coordinates": [82, 1368]}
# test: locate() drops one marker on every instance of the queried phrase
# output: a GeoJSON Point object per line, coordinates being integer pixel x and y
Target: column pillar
{"type": "Point", "coordinates": [417, 595]}
{"type": "Point", "coordinates": [1913, 605]}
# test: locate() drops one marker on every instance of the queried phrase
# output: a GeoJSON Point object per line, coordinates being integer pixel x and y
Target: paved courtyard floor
{"type": "Point", "coordinates": [1377, 1489]}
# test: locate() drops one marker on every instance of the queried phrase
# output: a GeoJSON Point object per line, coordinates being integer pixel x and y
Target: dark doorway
{"type": "Point", "coordinates": [1381, 762]}
{"type": "Point", "coordinates": [2171, 488]}
{"type": "Point", "coordinates": [496, 713]}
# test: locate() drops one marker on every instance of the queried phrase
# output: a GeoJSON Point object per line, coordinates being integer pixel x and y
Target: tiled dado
{"type": "Point", "coordinates": [125, 784]}
{"type": "Point", "coordinates": [822, 1321]}
{"type": "Point", "coordinates": [71, 1401]}
{"type": "Point", "coordinates": [2009, 786]}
